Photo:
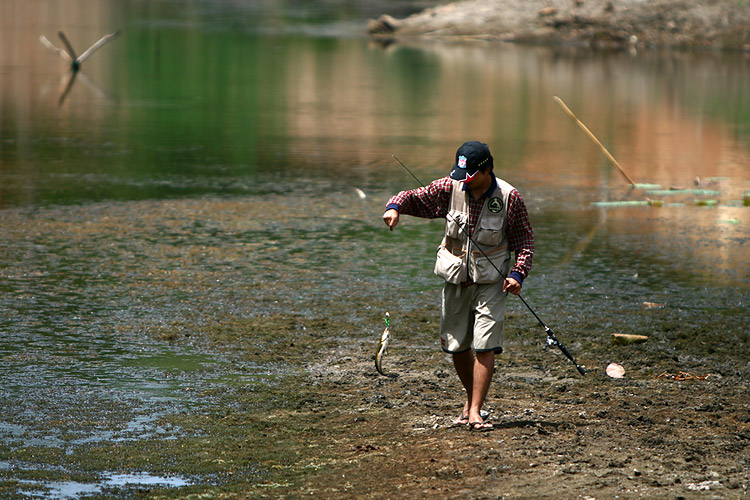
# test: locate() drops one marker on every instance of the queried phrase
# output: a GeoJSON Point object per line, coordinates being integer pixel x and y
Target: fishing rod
{"type": "Point", "coordinates": [552, 340]}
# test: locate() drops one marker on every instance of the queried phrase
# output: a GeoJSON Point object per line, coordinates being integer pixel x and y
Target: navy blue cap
{"type": "Point", "coordinates": [471, 157]}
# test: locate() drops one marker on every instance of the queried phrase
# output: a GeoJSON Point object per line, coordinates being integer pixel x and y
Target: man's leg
{"type": "Point", "coordinates": [484, 366]}
{"type": "Point", "coordinates": [489, 316]}
{"type": "Point", "coordinates": [456, 326]}
{"type": "Point", "coordinates": [475, 374]}
{"type": "Point", "coordinates": [464, 364]}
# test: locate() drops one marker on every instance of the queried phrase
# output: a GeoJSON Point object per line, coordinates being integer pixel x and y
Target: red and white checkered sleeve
{"type": "Point", "coordinates": [520, 234]}
{"type": "Point", "coordinates": [429, 202]}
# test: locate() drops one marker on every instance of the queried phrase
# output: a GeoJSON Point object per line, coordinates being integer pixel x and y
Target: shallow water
{"type": "Point", "coordinates": [72, 489]}
{"type": "Point", "coordinates": [207, 173]}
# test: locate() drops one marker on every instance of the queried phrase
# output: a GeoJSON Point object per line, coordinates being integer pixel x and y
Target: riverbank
{"type": "Point", "coordinates": [720, 24]}
{"type": "Point", "coordinates": [280, 397]}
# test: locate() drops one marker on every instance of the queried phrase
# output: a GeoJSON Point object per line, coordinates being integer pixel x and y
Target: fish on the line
{"type": "Point", "coordinates": [385, 338]}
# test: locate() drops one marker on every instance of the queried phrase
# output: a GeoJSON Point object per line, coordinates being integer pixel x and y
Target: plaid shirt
{"type": "Point", "coordinates": [433, 201]}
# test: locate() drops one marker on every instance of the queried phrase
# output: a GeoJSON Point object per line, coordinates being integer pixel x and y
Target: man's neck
{"type": "Point", "coordinates": [478, 191]}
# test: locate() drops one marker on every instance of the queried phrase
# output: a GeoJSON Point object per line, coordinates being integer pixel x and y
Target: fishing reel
{"type": "Point", "coordinates": [551, 340]}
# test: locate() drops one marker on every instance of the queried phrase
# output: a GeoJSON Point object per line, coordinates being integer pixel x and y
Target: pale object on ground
{"type": "Point", "coordinates": [653, 305]}
{"type": "Point", "coordinates": [625, 339]}
{"type": "Point", "coordinates": [615, 371]}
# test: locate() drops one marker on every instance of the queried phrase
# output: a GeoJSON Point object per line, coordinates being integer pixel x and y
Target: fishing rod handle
{"type": "Point", "coordinates": [571, 358]}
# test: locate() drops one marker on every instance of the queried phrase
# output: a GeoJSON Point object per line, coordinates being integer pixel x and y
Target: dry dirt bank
{"type": "Point", "coordinates": [718, 24]}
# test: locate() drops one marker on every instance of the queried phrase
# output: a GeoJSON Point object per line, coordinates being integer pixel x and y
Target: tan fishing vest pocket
{"type": "Point", "coordinates": [482, 269]}
{"type": "Point", "coordinates": [490, 231]}
{"type": "Point", "coordinates": [450, 267]}
{"type": "Point", "coordinates": [454, 222]}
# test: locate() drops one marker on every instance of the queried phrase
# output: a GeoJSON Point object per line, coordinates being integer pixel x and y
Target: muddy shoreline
{"type": "Point", "coordinates": [632, 24]}
{"type": "Point", "coordinates": [291, 404]}
{"type": "Point", "coordinates": [558, 435]}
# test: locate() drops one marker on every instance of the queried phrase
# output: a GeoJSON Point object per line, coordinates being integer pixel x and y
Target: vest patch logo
{"type": "Point", "coordinates": [495, 205]}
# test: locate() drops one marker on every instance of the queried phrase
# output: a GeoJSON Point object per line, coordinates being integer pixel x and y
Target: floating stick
{"type": "Point", "coordinates": [75, 61]}
{"type": "Point", "coordinates": [87, 53]}
{"type": "Point", "coordinates": [593, 138]}
{"type": "Point", "coordinates": [59, 51]}
{"type": "Point", "coordinates": [71, 52]}
{"type": "Point", "coordinates": [70, 55]}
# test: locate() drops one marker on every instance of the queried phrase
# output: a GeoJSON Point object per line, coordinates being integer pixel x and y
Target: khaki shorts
{"type": "Point", "coordinates": [473, 317]}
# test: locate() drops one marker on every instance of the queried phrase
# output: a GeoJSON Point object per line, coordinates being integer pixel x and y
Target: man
{"type": "Point", "coordinates": [492, 212]}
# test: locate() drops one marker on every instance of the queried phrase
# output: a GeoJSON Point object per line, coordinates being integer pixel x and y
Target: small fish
{"type": "Point", "coordinates": [383, 346]}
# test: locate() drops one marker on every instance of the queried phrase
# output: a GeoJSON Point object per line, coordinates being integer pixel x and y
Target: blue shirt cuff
{"type": "Point", "coordinates": [516, 276]}
{"type": "Point", "coordinates": [392, 206]}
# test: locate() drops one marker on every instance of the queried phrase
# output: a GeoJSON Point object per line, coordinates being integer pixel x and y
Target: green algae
{"type": "Point", "coordinates": [681, 192]}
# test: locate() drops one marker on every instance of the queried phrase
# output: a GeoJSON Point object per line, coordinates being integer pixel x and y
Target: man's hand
{"type": "Point", "coordinates": [512, 286]}
{"type": "Point", "coordinates": [390, 217]}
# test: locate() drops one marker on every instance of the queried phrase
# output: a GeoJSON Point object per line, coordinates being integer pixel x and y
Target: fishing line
{"type": "Point", "coordinates": [551, 338]}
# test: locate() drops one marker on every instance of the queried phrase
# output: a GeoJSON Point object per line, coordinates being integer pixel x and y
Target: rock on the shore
{"type": "Point", "coordinates": [600, 23]}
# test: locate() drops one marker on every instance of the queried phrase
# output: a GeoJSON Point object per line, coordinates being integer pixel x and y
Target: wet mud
{"type": "Point", "coordinates": [557, 435]}
{"type": "Point", "coordinates": [206, 353]}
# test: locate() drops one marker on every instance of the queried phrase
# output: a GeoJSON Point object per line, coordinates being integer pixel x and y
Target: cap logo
{"type": "Point", "coordinates": [462, 162]}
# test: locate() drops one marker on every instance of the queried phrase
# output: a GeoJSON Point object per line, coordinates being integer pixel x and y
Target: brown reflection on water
{"type": "Point", "coordinates": [346, 103]}
{"type": "Point", "coordinates": [709, 243]}
{"type": "Point", "coordinates": [654, 115]}
{"type": "Point", "coordinates": [651, 121]}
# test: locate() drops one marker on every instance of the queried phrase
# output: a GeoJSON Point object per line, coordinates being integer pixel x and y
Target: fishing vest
{"type": "Point", "coordinates": [458, 259]}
